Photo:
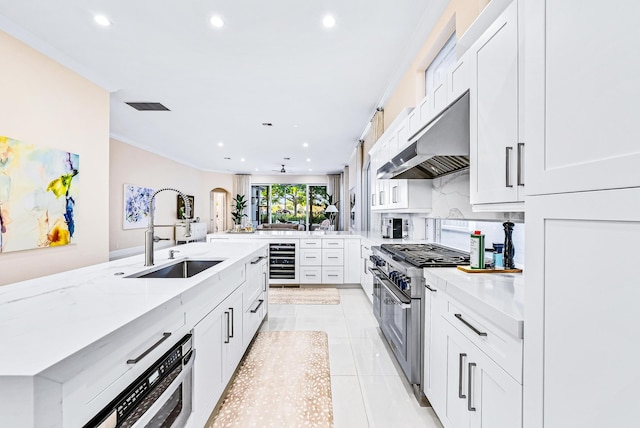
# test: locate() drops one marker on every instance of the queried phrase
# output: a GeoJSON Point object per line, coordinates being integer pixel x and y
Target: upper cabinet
{"type": "Point", "coordinates": [581, 128]}
{"type": "Point", "coordinates": [496, 149]}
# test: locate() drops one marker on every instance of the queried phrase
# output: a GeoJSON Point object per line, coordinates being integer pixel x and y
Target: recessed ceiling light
{"type": "Point", "coordinates": [296, 126]}
{"type": "Point", "coordinates": [257, 169]}
{"type": "Point", "coordinates": [220, 144]}
{"type": "Point", "coordinates": [241, 159]}
{"type": "Point", "coordinates": [102, 20]}
{"type": "Point", "coordinates": [217, 21]}
{"type": "Point", "coordinates": [308, 160]}
{"type": "Point", "coordinates": [305, 144]}
{"type": "Point", "coordinates": [329, 21]}
{"type": "Point", "coordinates": [310, 170]}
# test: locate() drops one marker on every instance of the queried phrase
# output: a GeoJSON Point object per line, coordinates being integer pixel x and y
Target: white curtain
{"type": "Point", "coordinates": [242, 186]}
{"type": "Point", "coordinates": [334, 189]}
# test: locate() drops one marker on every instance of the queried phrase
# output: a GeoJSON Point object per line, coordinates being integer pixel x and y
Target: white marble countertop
{"type": "Point", "coordinates": [498, 297]}
{"type": "Point", "coordinates": [45, 320]}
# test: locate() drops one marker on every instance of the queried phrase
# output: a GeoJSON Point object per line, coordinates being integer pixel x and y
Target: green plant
{"type": "Point", "coordinates": [238, 212]}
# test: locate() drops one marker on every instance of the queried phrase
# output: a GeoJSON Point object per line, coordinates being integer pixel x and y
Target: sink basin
{"type": "Point", "coordinates": [181, 269]}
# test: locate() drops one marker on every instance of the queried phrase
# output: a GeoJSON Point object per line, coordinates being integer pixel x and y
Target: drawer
{"type": "Point", "coordinates": [310, 275]}
{"type": "Point", "coordinates": [501, 347]}
{"type": "Point", "coordinates": [333, 243]}
{"type": "Point", "coordinates": [333, 257]}
{"type": "Point", "coordinates": [309, 257]}
{"type": "Point", "coordinates": [254, 313]}
{"type": "Point", "coordinates": [332, 275]}
{"type": "Point", "coordinates": [310, 243]}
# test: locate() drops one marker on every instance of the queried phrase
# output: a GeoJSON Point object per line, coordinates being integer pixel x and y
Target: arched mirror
{"type": "Point", "coordinates": [218, 210]}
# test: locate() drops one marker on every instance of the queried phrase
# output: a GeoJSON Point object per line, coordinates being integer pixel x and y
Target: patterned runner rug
{"type": "Point", "coordinates": [283, 381]}
{"type": "Point", "coordinates": [304, 296]}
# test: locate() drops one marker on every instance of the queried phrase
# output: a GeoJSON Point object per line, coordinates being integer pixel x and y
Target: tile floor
{"type": "Point", "coordinates": [368, 387]}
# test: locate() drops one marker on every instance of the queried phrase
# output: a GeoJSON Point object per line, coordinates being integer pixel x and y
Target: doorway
{"type": "Point", "coordinates": [218, 210]}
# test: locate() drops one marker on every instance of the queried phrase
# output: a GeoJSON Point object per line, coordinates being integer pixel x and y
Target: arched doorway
{"type": "Point", "coordinates": [218, 210]}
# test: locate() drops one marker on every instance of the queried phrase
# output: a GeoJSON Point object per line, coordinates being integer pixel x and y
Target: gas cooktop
{"type": "Point", "coordinates": [427, 255]}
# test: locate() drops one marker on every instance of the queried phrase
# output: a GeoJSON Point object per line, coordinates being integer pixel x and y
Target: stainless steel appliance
{"type": "Point", "coordinates": [398, 294]}
{"type": "Point", "coordinates": [439, 148]}
{"type": "Point", "coordinates": [160, 397]}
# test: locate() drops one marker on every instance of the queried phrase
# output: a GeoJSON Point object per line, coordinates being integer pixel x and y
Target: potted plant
{"type": "Point", "coordinates": [238, 212]}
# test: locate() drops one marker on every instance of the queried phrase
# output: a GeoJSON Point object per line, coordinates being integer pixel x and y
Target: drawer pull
{"type": "Point", "coordinates": [164, 337]}
{"type": "Point", "coordinates": [332, 275]}
{"type": "Point", "coordinates": [310, 257]}
{"type": "Point", "coordinates": [260, 302]}
{"type": "Point", "coordinates": [227, 316]}
{"type": "Point", "coordinates": [460, 365]}
{"type": "Point", "coordinates": [232, 322]}
{"type": "Point", "coordinates": [465, 322]}
{"type": "Point", "coordinates": [257, 260]}
{"type": "Point", "coordinates": [333, 257]}
{"type": "Point", "coordinates": [310, 275]}
{"type": "Point", "coordinates": [433, 290]}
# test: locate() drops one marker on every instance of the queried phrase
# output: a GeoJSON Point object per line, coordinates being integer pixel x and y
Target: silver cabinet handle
{"type": "Point", "coordinates": [373, 199]}
{"type": "Point", "coordinates": [508, 166]}
{"type": "Point", "coordinates": [265, 281]}
{"type": "Point", "coordinates": [253, 311]}
{"type": "Point", "coordinates": [164, 337]}
{"type": "Point", "coordinates": [460, 365]}
{"type": "Point", "coordinates": [232, 323]}
{"type": "Point", "coordinates": [465, 322]}
{"type": "Point", "coordinates": [520, 165]}
{"type": "Point", "coordinates": [228, 337]}
{"type": "Point", "coordinates": [257, 260]}
{"type": "Point", "coordinates": [333, 257]}
{"type": "Point", "coordinates": [433, 290]}
{"type": "Point", "coordinates": [394, 194]}
{"type": "Point", "coordinates": [469, 406]}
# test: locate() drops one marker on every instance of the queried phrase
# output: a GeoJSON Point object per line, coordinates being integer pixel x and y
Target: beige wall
{"type": "Point", "coordinates": [45, 104]}
{"type": "Point", "coordinates": [131, 165]}
{"type": "Point", "coordinates": [458, 16]}
{"type": "Point", "coordinates": [289, 179]}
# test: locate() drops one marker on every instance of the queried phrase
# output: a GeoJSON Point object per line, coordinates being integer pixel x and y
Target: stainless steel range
{"type": "Point", "coordinates": [398, 293]}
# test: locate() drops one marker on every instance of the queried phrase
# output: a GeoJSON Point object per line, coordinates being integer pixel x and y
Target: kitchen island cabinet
{"type": "Point", "coordinates": [93, 320]}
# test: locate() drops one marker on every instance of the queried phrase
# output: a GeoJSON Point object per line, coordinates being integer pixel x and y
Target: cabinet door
{"type": "Point", "coordinates": [582, 131]}
{"type": "Point", "coordinates": [402, 135]}
{"type": "Point", "coordinates": [495, 397]}
{"type": "Point", "coordinates": [233, 347]}
{"type": "Point", "coordinates": [494, 113]}
{"type": "Point", "coordinates": [208, 380]}
{"type": "Point", "coordinates": [582, 314]}
{"type": "Point", "coordinates": [459, 79]}
{"type": "Point", "coordinates": [435, 353]}
{"type": "Point", "coordinates": [352, 261]}
{"type": "Point", "coordinates": [458, 358]}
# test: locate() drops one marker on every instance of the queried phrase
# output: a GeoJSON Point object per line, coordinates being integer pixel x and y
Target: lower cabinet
{"type": "Point", "coordinates": [435, 362]}
{"type": "Point", "coordinates": [222, 337]}
{"type": "Point", "coordinates": [479, 393]}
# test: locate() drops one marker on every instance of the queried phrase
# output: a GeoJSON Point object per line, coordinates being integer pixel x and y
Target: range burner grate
{"type": "Point", "coordinates": [427, 255]}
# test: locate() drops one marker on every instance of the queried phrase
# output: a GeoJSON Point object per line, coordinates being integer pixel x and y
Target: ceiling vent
{"type": "Point", "coordinates": [148, 106]}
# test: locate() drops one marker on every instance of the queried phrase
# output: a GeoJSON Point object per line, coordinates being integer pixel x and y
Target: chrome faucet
{"type": "Point", "coordinates": [149, 237]}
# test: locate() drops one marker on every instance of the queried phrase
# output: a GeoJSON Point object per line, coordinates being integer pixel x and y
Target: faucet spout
{"type": "Point", "coordinates": [149, 233]}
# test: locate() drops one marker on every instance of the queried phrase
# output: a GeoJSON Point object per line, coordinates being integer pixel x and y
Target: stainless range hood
{"type": "Point", "coordinates": [439, 148]}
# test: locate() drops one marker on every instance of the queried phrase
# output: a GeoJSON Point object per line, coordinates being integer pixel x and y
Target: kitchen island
{"type": "Point", "coordinates": [71, 334]}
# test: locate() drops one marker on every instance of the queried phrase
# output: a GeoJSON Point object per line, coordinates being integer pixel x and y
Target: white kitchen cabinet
{"type": "Point", "coordinates": [410, 195]}
{"type": "Point", "coordinates": [352, 261]}
{"type": "Point", "coordinates": [435, 356]}
{"type": "Point", "coordinates": [497, 151]}
{"type": "Point", "coordinates": [581, 95]}
{"type": "Point", "coordinates": [366, 278]}
{"type": "Point", "coordinates": [581, 316]}
{"type": "Point", "coordinates": [460, 77]}
{"type": "Point", "coordinates": [255, 298]}
{"type": "Point", "coordinates": [480, 394]}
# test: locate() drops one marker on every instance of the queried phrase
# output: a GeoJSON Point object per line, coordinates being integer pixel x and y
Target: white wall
{"type": "Point", "coordinates": [46, 104]}
{"type": "Point", "coordinates": [132, 165]}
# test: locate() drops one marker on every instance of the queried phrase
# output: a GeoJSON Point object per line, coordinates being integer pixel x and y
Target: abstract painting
{"type": "Point", "coordinates": [39, 190]}
{"type": "Point", "coordinates": [136, 206]}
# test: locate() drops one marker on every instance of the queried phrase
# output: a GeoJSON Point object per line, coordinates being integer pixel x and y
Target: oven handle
{"type": "Point", "coordinates": [395, 297]}
{"type": "Point", "coordinates": [157, 405]}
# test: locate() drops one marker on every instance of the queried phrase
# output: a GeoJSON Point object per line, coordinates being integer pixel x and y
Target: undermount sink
{"type": "Point", "coordinates": [181, 269]}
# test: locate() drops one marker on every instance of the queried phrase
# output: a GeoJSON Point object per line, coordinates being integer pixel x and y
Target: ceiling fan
{"type": "Point", "coordinates": [282, 170]}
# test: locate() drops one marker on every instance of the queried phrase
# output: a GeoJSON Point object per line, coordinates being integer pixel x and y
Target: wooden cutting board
{"type": "Point", "coordinates": [468, 269]}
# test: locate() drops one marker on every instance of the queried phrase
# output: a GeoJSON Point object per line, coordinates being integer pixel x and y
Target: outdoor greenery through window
{"type": "Point", "coordinates": [289, 203]}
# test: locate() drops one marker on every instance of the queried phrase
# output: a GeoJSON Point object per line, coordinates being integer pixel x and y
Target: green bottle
{"type": "Point", "coordinates": [477, 250]}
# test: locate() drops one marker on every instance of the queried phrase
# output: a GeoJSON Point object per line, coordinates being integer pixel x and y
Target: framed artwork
{"type": "Point", "coordinates": [136, 206]}
{"type": "Point", "coordinates": [39, 190]}
{"type": "Point", "coordinates": [181, 208]}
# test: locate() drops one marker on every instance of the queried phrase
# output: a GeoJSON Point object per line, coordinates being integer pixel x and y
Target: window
{"type": "Point", "coordinates": [288, 203]}
{"type": "Point", "coordinates": [444, 61]}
